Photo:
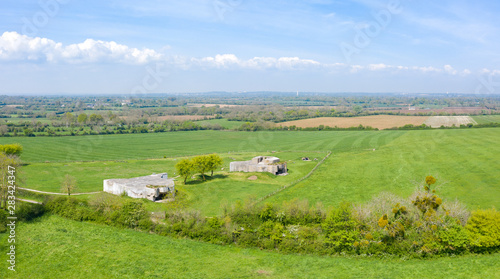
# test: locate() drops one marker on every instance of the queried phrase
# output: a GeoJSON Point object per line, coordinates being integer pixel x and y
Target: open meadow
{"type": "Point", "coordinates": [362, 165]}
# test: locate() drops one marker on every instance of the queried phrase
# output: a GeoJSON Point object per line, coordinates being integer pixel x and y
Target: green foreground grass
{"type": "Point", "coordinates": [54, 247]}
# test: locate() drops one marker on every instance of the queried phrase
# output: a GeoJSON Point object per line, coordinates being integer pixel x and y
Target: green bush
{"type": "Point", "coordinates": [3, 221]}
{"type": "Point", "coordinates": [453, 240]}
{"type": "Point", "coordinates": [340, 228]}
{"type": "Point", "coordinates": [483, 229]}
{"type": "Point", "coordinates": [28, 211]}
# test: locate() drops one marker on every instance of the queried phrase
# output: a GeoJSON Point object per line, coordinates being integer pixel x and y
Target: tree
{"type": "Point", "coordinates": [69, 184]}
{"type": "Point", "coordinates": [82, 118]}
{"type": "Point", "coordinates": [11, 149]}
{"type": "Point", "coordinates": [214, 162]}
{"type": "Point", "coordinates": [69, 117]}
{"type": "Point", "coordinates": [201, 164]}
{"type": "Point", "coordinates": [8, 166]}
{"type": "Point", "coordinates": [185, 168]}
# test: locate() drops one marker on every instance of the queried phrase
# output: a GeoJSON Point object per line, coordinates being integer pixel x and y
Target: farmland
{"type": "Point", "coordinates": [59, 248]}
{"type": "Point", "coordinates": [363, 163]}
{"type": "Point", "coordinates": [448, 121]}
{"type": "Point", "coordinates": [389, 121]}
{"type": "Point", "coordinates": [485, 119]}
{"type": "Point", "coordinates": [375, 121]}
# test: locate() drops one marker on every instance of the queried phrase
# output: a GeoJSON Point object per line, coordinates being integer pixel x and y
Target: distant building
{"type": "Point", "coordinates": [260, 164]}
{"type": "Point", "coordinates": [149, 187]}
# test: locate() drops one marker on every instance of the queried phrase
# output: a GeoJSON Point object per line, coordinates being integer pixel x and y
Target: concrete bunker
{"type": "Point", "coordinates": [151, 187]}
{"type": "Point", "coordinates": [260, 164]}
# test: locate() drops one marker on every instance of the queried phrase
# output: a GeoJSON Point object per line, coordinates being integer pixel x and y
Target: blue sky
{"type": "Point", "coordinates": [153, 46]}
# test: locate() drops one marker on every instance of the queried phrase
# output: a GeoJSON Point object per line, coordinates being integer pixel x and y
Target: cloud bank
{"type": "Point", "coordinates": [14, 46]}
{"type": "Point", "coordinates": [18, 47]}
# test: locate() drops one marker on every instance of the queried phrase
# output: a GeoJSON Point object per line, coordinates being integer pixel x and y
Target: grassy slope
{"type": "Point", "coordinates": [58, 248]}
{"type": "Point", "coordinates": [464, 161]}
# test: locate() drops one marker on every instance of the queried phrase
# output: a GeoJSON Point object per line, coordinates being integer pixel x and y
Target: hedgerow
{"type": "Point", "coordinates": [424, 225]}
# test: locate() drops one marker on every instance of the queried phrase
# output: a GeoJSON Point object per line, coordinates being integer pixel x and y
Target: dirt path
{"type": "Point", "coordinates": [30, 201]}
{"type": "Point", "coordinates": [61, 194]}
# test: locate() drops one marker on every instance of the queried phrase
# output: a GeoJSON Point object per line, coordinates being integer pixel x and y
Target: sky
{"type": "Point", "coordinates": [176, 46]}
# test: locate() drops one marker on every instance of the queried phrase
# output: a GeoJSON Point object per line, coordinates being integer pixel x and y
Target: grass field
{"type": "Point", "coordinates": [374, 121]}
{"type": "Point", "coordinates": [206, 196]}
{"type": "Point", "coordinates": [485, 119]}
{"type": "Point", "coordinates": [464, 161]}
{"type": "Point", "coordinates": [54, 247]}
{"type": "Point", "coordinates": [157, 145]}
{"type": "Point", "coordinates": [230, 125]}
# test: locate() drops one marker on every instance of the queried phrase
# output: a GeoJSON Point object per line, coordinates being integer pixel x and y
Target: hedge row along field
{"type": "Point", "coordinates": [424, 225]}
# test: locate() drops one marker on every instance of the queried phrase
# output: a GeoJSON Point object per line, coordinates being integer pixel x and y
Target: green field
{"type": "Point", "coordinates": [230, 125]}
{"type": "Point", "coordinates": [464, 161]}
{"type": "Point", "coordinates": [485, 119]}
{"type": "Point", "coordinates": [54, 247]}
{"type": "Point", "coordinates": [157, 145]}
{"type": "Point", "coordinates": [362, 165]}
{"type": "Point", "coordinates": [206, 197]}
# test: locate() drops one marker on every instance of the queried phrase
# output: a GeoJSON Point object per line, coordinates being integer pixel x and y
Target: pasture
{"type": "Point", "coordinates": [204, 196]}
{"type": "Point", "coordinates": [363, 163]}
{"type": "Point", "coordinates": [230, 125]}
{"type": "Point", "coordinates": [485, 119]}
{"type": "Point", "coordinates": [54, 247]}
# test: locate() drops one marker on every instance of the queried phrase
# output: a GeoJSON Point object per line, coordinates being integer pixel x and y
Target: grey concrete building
{"type": "Point", "coordinates": [149, 187]}
{"type": "Point", "coordinates": [260, 164]}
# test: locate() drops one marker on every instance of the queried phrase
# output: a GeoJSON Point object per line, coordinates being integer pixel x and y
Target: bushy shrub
{"type": "Point", "coordinates": [453, 240]}
{"type": "Point", "coordinates": [340, 228]}
{"type": "Point", "coordinates": [483, 229]}
{"type": "Point", "coordinates": [29, 211]}
{"type": "Point", "coordinates": [3, 221]}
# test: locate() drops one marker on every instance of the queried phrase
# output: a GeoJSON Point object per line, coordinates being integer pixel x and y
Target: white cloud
{"type": "Point", "coordinates": [450, 70]}
{"type": "Point", "coordinates": [14, 46]}
{"type": "Point", "coordinates": [17, 47]}
{"type": "Point", "coordinates": [489, 72]}
{"type": "Point", "coordinates": [230, 60]}
{"type": "Point", "coordinates": [376, 67]}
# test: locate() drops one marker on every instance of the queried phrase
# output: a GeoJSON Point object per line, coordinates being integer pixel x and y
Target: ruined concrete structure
{"type": "Point", "coordinates": [260, 164]}
{"type": "Point", "coordinates": [149, 187]}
